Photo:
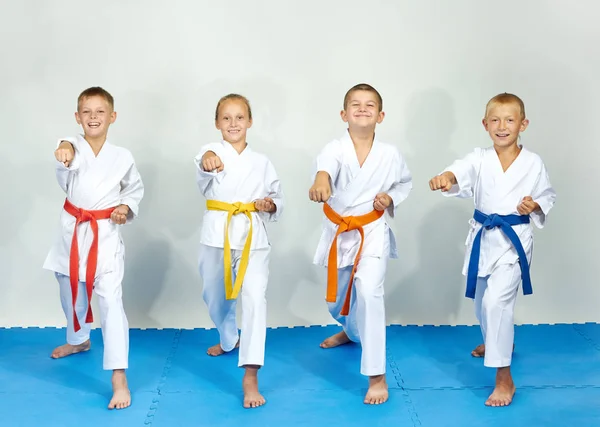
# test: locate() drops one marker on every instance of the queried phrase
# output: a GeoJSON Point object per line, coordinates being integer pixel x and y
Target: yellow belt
{"type": "Point", "coordinates": [232, 291]}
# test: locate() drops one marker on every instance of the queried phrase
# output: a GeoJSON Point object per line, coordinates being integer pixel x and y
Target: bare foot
{"type": "Point", "coordinates": [479, 351]}
{"type": "Point", "coordinates": [378, 390]}
{"type": "Point", "coordinates": [335, 340]}
{"type": "Point", "coordinates": [505, 389]}
{"type": "Point", "coordinates": [68, 349]}
{"type": "Point", "coordinates": [217, 350]}
{"type": "Point", "coordinates": [121, 396]}
{"type": "Point", "coordinates": [252, 397]}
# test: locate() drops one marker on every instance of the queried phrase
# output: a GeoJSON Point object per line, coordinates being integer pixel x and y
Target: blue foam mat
{"type": "Point", "coordinates": [71, 409]}
{"type": "Point", "coordinates": [294, 351]}
{"type": "Point", "coordinates": [439, 357]}
{"type": "Point", "coordinates": [283, 408]}
{"type": "Point", "coordinates": [590, 332]}
{"type": "Point", "coordinates": [25, 362]}
{"type": "Point", "coordinates": [432, 377]}
{"type": "Point", "coordinates": [548, 407]}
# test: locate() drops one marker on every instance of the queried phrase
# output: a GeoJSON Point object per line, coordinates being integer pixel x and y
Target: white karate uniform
{"type": "Point", "coordinates": [96, 183]}
{"type": "Point", "coordinates": [246, 177]}
{"type": "Point", "coordinates": [480, 175]}
{"type": "Point", "coordinates": [353, 192]}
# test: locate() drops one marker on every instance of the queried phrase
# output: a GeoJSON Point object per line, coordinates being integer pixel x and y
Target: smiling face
{"type": "Point", "coordinates": [504, 122]}
{"type": "Point", "coordinates": [362, 110]}
{"type": "Point", "coordinates": [233, 120]}
{"type": "Point", "coordinates": [95, 115]}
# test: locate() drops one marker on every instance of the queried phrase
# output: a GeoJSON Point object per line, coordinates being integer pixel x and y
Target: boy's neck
{"type": "Point", "coordinates": [362, 137]}
{"type": "Point", "coordinates": [238, 146]}
{"type": "Point", "coordinates": [96, 143]}
{"type": "Point", "coordinates": [511, 150]}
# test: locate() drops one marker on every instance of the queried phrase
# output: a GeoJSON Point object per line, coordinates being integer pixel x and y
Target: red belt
{"type": "Point", "coordinates": [81, 215]}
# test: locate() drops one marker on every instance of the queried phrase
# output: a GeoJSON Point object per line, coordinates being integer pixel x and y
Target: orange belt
{"type": "Point", "coordinates": [345, 223]}
{"type": "Point", "coordinates": [81, 215]}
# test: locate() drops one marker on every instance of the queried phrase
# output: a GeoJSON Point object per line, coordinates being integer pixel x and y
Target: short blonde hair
{"type": "Point", "coordinates": [503, 99]}
{"type": "Point", "coordinates": [366, 88]}
{"type": "Point", "coordinates": [96, 91]}
{"type": "Point", "coordinates": [234, 97]}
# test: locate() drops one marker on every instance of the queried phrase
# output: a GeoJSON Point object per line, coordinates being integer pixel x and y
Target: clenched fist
{"type": "Point", "coordinates": [382, 202]}
{"type": "Point", "coordinates": [65, 153]}
{"type": "Point", "coordinates": [442, 182]}
{"type": "Point", "coordinates": [321, 189]}
{"type": "Point", "coordinates": [265, 205]}
{"type": "Point", "coordinates": [212, 162]}
{"type": "Point", "coordinates": [527, 206]}
{"type": "Point", "coordinates": [119, 215]}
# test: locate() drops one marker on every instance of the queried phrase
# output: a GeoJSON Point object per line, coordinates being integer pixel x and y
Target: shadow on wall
{"type": "Point", "coordinates": [296, 289]}
{"type": "Point", "coordinates": [161, 285]}
{"type": "Point", "coordinates": [433, 292]}
{"type": "Point", "coordinates": [157, 262]}
{"type": "Point", "coordinates": [17, 203]}
{"type": "Point", "coordinates": [165, 161]}
{"type": "Point", "coordinates": [293, 277]}
{"type": "Point", "coordinates": [563, 260]}
{"type": "Point", "coordinates": [147, 255]}
{"type": "Point", "coordinates": [147, 261]}
{"type": "Point", "coordinates": [17, 200]}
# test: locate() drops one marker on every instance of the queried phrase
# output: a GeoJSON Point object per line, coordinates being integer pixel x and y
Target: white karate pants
{"type": "Point", "coordinates": [254, 301]}
{"type": "Point", "coordinates": [113, 321]}
{"type": "Point", "coordinates": [365, 323]}
{"type": "Point", "coordinates": [495, 299]}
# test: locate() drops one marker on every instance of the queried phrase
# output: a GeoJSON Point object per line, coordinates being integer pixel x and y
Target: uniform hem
{"type": "Point", "coordinates": [115, 367]}
{"type": "Point", "coordinates": [373, 372]}
{"type": "Point", "coordinates": [56, 270]}
{"type": "Point", "coordinates": [497, 363]}
{"type": "Point", "coordinates": [246, 363]}
{"type": "Point", "coordinates": [79, 342]}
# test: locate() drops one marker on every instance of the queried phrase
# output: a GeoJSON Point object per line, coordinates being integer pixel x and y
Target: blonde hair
{"type": "Point", "coordinates": [234, 97]}
{"type": "Point", "coordinates": [503, 99]}
{"type": "Point", "coordinates": [367, 88]}
{"type": "Point", "coordinates": [96, 91]}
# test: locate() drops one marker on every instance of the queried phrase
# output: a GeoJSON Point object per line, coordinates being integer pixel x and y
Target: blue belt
{"type": "Point", "coordinates": [505, 222]}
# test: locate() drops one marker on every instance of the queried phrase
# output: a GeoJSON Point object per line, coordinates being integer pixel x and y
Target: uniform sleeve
{"type": "Point", "coordinates": [329, 160]}
{"type": "Point", "coordinates": [466, 171]}
{"type": "Point", "coordinates": [274, 192]}
{"type": "Point", "coordinates": [205, 178]}
{"type": "Point", "coordinates": [402, 183]}
{"type": "Point", "coordinates": [64, 173]}
{"type": "Point", "coordinates": [132, 191]}
{"type": "Point", "coordinates": [544, 195]}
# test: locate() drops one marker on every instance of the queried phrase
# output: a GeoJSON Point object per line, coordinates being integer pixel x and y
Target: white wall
{"type": "Point", "coordinates": [436, 64]}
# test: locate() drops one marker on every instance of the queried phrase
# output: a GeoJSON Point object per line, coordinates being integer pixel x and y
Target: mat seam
{"type": "Point", "coordinates": [412, 411]}
{"type": "Point", "coordinates": [590, 340]}
{"type": "Point", "coordinates": [163, 379]}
